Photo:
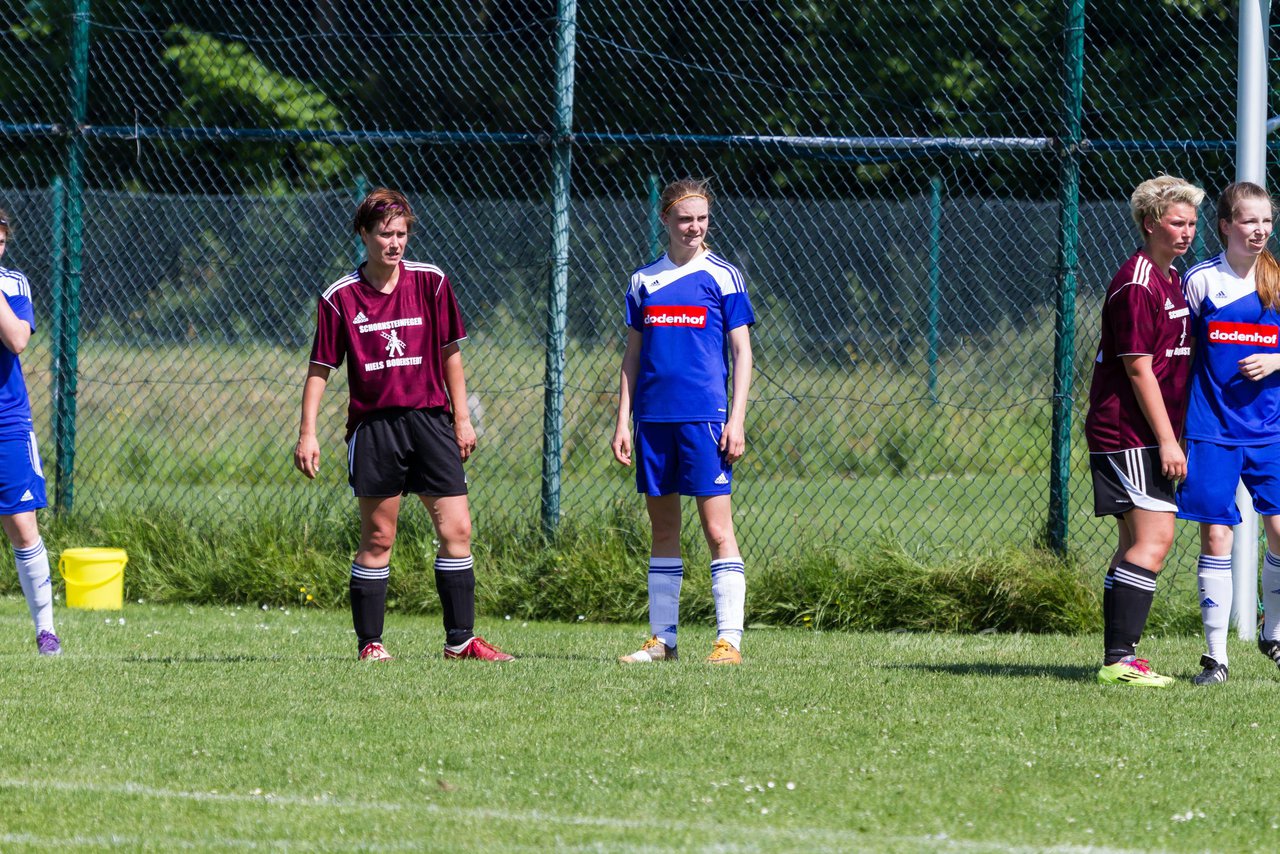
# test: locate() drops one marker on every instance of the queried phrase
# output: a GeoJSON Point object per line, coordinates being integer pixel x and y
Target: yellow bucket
{"type": "Point", "coordinates": [95, 578]}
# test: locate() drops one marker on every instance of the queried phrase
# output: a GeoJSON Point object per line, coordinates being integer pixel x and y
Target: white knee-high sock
{"type": "Point", "coordinates": [1214, 576]}
{"type": "Point", "coordinates": [666, 574]}
{"type": "Point", "coordinates": [729, 589]}
{"type": "Point", "coordinates": [1271, 597]}
{"type": "Point", "coordinates": [33, 575]}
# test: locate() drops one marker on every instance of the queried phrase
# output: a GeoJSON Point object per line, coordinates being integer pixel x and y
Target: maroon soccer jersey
{"type": "Point", "coordinates": [1144, 314]}
{"type": "Point", "coordinates": [392, 342]}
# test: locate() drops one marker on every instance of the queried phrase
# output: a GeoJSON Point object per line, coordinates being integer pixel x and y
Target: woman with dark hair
{"type": "Point", "coordinates": [398, 326]}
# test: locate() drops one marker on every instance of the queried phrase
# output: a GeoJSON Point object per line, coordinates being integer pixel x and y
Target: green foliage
{"type": "Point", "coordinates": [916, 68]}
{"type": "Point", "coordinates": [225, 85]}
{"type": "Point", "coordinates": [882, 586]}
{"type": "Point", "coordinates": [594, 569]}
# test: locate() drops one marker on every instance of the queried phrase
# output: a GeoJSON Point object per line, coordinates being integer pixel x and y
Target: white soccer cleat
{"type": "Point", "coordinates": [653, 650]}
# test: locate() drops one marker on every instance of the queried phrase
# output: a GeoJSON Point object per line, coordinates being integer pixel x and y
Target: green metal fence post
{"type": "Point", "coordinates": [935, 279]}
{"type": "Point", "coordinates": [558, 283]}
{"type": "Point", "coordinates": [357, 249]}
{"type": "Point", "coordinates": [57, 286]}
{"type": "Point", "coordinates": [67, 369]}
{"type": "Point", "coordinates": [1068, 257]}
{"type": "Point", "coordinates": [655, 222]}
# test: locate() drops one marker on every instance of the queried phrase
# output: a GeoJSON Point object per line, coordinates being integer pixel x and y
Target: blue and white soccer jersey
{"type": "Point", "coordinates": [1232, 421]}
{"type": "Point", "coordinates": [15, 406]}
{"type": "Point", "coordinates": [21, 474]}
{"type": "Point", "coordinates": [683, 314]}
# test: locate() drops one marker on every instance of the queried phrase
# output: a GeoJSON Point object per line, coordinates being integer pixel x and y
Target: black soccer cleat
{"type": "Point", "coordinates": [1213, 673]}
{"type": "Point", "coordinates": [1270, 648]}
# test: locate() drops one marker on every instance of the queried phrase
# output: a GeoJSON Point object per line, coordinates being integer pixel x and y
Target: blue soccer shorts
{"type": "Point", "coordinates": [21, 475]}
{"type": "Point", "coordinates": [1209, 492]}
{"type": "Point", "coordinates": [681, 457]}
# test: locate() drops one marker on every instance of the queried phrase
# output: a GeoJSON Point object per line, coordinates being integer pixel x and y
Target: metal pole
{"type": "Point", "coordinates": [655, 224]}
{"type": "Point", "coordinates": [65, 440]}
{"type": "Point", "coordinates": [1064, 345]}
{"type": "Point", "coordinates": [935, 279]}
{"type": "Point", "coordinates": [357, 249]}
{"type": "Point", "coordinates": [558, 284]}
{"type": "Point", "coordinates": [57, 287]}
{"type": "Point", "coordinates": [1251, 165]}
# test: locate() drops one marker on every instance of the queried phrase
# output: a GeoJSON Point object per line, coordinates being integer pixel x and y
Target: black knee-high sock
{"type": "Point", "coordinates": [1133, 589]}
{"type": "Point", "coordinates": [456, 584]}
{"type": "Point", "coordinates": [368, 602]}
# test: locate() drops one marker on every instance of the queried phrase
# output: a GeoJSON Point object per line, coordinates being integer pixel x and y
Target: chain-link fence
{"type": "Point", "coordinates": [893, 178]}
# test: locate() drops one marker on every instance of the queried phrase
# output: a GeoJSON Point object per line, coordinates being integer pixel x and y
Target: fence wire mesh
{"type": "Point", "coordinates": [888, 176]}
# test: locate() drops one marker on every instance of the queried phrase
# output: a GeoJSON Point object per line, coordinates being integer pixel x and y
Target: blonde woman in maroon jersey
{"type": "Point", "coordinates": [1137, 402]}
{"type": "Point", "coordinates": [397, 325]}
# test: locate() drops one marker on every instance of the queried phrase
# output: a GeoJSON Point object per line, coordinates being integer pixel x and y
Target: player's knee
{"type": "Point", "coordinates": [719, 537]}
{"type": "Point", "coordinates": [379, 541]}
{"type": "Point", "coordinates": [1217, 540]}
{"type": "Point", "coordinates": [455, 533]}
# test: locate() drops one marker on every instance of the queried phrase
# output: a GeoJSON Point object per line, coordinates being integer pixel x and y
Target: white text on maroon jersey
{"type": "Point", "coordinates": [390, 324]}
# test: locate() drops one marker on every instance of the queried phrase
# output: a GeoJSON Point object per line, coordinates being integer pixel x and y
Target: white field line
{"type": "Point", "coordinates": [836, 840]}
{"type": "Point", "coordinates": [169, 843]}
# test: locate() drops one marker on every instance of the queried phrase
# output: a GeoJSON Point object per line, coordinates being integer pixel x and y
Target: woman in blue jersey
{"type": "Point", "coordinates": [681, 310]}
{"type": "Point", "coordinates": [22, 489]}
{"type": "Point", "coordinates": [1233, 421]}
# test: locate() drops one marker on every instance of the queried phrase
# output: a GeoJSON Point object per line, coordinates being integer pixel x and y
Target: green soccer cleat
{"type": "Point", "coordinates": [1132, 671]}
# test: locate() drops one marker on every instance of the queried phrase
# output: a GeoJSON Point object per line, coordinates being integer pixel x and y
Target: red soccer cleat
{"type": "Point", "coordinates": [479, 648]}
{"type": "Point", "coordinates": [375, 652]}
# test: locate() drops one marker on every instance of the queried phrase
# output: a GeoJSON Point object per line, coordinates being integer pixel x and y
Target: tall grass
{"type": "Point", "coordinates": [595, 569]}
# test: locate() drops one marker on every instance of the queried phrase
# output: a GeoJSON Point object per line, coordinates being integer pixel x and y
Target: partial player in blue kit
{"type": "Point", "coordinates": [684, 312]}
{"type": "Point", "coordinates": [1233, 420]}
{"type": "Point", "coordinates": [22, 490]}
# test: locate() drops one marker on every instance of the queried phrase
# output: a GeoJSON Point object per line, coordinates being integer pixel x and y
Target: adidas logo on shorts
{"type": "Point", "coordinates": [721, 480]}
{"type": "Point", "coordinates": [27, 496]}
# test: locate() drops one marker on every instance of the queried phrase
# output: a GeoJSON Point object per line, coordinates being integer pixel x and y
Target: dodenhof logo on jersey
{"type": "Point", "coordinates": [676, 315]}
{"type": "Point", "coordinates": [1254, 334]}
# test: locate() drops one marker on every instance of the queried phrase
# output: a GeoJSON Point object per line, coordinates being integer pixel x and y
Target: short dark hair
{"type": "Point", "coordinates": [379, 206]}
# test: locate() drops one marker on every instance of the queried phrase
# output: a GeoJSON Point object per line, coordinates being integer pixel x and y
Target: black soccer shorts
{"type": "Point", "coordinates": [405, 452]}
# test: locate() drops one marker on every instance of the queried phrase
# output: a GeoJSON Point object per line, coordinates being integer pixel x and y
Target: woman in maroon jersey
{"type": "Point", "coordinates": [397, 325]}
{"type": "Point", "coordinates": [1137, 402]}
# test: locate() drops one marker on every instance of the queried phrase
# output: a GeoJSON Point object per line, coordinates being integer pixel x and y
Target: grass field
{"type": "Point", "coordinates": [166, 728]}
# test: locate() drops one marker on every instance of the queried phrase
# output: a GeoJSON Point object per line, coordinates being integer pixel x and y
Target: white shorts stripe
{"type": "Point", "coordinates": [1134, 478]}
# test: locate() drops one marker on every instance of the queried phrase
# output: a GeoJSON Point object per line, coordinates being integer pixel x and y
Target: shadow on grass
{"type": "Point", "coordinates": [1067, 673]}
{"type": "Point", "coordinates": [196, 658]}
{"type": "Point", "coordinates": [232, 659]}
{"type": "Point", "coordinates": [560, 656]}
